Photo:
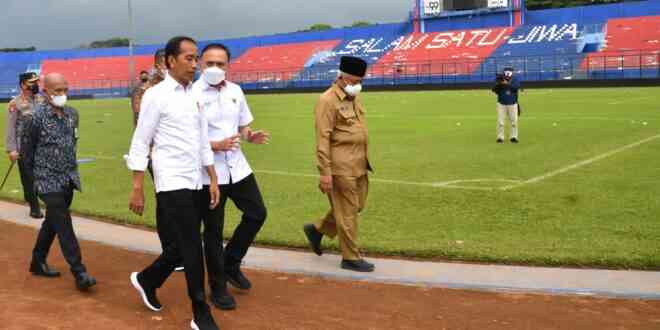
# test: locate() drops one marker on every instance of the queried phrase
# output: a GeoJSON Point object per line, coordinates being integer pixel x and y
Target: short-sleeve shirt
{"type": "Point", "coordinates": [226, 110]}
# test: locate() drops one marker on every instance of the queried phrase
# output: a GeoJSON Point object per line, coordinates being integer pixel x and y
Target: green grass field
{"type": "Point", "coordinates": [437, 191]}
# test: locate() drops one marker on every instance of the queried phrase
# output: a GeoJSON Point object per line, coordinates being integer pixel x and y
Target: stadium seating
{"type": "Point", "coordinates": [94, 73]}
{"type": "Point", "coordinates": [277, 63]}
{"type": "Point", "coordinates": [593, 42]}
{"type": "Point", "coordinates": [632, 45]}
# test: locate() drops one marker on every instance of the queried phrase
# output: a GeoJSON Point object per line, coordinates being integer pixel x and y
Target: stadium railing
{"type": "Point", "coordinates": [615, 65]}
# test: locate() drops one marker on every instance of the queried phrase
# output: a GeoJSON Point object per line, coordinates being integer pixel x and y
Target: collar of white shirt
{"type": "Point", "coordinates": [173, 84]}
{"type": "Point", "coordinates": [206, 87]}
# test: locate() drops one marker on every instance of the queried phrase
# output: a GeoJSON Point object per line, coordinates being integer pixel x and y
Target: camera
{"type": "Point", "coordinates": [501, 77]}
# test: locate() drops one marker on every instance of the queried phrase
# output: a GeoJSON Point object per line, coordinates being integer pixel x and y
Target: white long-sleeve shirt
{"type": "Point", "coordinates": [171, 121]}
{"type": "Point", "coordinates": [226, 110]}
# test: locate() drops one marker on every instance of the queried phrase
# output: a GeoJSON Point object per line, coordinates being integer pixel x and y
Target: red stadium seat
{"type": "Point", "coordinates": [631, 43]}
{"type": "Point", "coordinates": [276, 63]}
{"type": "Point", "coordinates": [96, 73]}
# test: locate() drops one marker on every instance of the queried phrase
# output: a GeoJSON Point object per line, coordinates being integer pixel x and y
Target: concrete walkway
{"type": "Point", "coordinates": [608, 283]}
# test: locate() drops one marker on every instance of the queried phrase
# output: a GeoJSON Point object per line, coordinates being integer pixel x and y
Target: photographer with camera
{"type": "Point", "coordinates": [506, 88]}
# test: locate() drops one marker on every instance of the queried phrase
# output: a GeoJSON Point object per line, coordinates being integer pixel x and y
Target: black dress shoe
{"type": "Point", "coordinates": [221, 298]}
{"type": "Point", "coordinates": [84, 281]}
{"type": "Point", "coordinates": [42, 269]}
{"type": "Point", "coordinates": [36, 215]}
{"type": "Point", "coordinates": [500, 141]}
{"type": "Point", "coordinates": [148, 295]}
{"type": "Point", "coordinates": [314, 238]}
{"type": "Point", "coordinates": [202, 319]}
{"type": "Point", "coordinates": [236, 277]}
{"type": "Point", "coordinates": [514, 140]}
{"type": "Point", "coordinates": [358, 265]}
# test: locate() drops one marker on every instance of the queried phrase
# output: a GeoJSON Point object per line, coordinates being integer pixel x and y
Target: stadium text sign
{"type": "Point", "coordinates": [546, 33]}
{"type": "Point", "coordinates": [471, 38]}
{"type": "Point", "coordinates": [372, 46]}
{"type": "Point", "coordinates": [476, 38]}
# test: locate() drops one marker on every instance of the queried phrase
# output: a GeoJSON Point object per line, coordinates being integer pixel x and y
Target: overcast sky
{"type": "Point", "coordinates": [60, 24]}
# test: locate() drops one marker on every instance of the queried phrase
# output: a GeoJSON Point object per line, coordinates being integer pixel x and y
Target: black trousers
{"type": "Point", "coordinates": [58, 222]}
{"type": "Point", "coordinates": [179, 231]}
{"type": "Point", "coordinates": [247, 198]}
{"type": "Point", "coordinates": [27, 180]}
{"type": "Point", "coordinates": [163, 238]}
{"type": "Point", "coordinates": [212, 242]}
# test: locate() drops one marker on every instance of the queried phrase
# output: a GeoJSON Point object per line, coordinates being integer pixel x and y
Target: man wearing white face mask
{"type": "Point", "coordinates": [229, 117]}
{"type": "Point", "coordinates": [342, 161]}
{"type": "Point", "coordinates": [51, 152]}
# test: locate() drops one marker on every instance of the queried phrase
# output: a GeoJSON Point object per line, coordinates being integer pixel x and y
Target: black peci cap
{"type": "Point", "coordinates": [353, 66]}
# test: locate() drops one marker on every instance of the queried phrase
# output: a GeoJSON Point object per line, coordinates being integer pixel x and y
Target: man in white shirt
{"type": "Point", "coordinates": [171, 121]}
{"type": "Point", "coordinates": [228, 115]}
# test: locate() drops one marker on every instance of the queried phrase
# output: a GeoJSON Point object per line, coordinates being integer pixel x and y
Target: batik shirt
{"type": "Point", "coordinates": [51, 149]}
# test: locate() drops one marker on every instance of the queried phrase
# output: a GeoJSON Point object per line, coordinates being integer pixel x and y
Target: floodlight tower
{"type": "Point", "coordinates": [131, 61]}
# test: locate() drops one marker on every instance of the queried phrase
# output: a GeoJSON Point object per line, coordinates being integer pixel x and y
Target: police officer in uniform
{"type": "Point", "coordinates": [341, 154]}
{"type": "Point", "coordinates": [154, 77]}
{"type": "Point", "coordinates": [19, 118]}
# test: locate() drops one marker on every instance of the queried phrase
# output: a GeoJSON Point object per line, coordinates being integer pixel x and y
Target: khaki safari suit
{"type": "Point", "coordinates": [138, 93]}
{"type": "Point", "coordinates": [342, 152]}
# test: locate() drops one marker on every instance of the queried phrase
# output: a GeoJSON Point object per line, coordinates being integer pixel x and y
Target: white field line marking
{"type": "Point", "coordinates": [467, 118]}
{"type": "Point", "coordinates": [99, 157]}
{"type": "Point", "coordinates": [619, 101]}
{"type": "Point", "coordinates": [453, 184]}
{"type": "Point", "coordinates": [579, 164]}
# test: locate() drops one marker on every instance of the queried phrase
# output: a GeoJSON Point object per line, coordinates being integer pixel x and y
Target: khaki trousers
{"type": "Point", "coordinates": [347, 199]}
{"type": "Point", "coordinates": [504, 111]}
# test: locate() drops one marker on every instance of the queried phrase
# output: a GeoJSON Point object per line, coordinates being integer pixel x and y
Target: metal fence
{"type": "Point", "coordinates": [620, 65]}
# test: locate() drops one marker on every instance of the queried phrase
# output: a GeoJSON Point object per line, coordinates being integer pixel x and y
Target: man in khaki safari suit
{"type": "Point", "coordinates": [341, 153]}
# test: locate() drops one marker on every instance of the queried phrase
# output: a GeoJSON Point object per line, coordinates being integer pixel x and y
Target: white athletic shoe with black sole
{"type": "Point", "coordinates": [149, 298]}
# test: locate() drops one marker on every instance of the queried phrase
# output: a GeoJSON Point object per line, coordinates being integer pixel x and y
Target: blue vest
{"type": "Point", "coordinates": [508, 94]}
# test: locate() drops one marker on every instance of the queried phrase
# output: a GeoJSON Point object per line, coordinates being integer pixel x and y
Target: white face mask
{"type": "Point", "coordinates": [353, 90]}
{"type": "Point", "coordinates": [59, 100]}
{"type": "Point", "coordinates": [214, 75]}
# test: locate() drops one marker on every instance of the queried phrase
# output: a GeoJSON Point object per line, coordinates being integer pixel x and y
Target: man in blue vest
{"type": "Point", "coordinates": [506, 88]}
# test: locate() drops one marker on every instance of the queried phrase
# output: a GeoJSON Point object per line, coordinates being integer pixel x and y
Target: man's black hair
{"type": "Point", "coordinates": [217, 46]}
{"type": "Point", "coordinates": [173, 47]}
{"type": "Point", "coordinates": [159, 54]}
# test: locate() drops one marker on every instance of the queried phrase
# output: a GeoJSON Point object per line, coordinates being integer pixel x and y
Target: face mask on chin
{"type": "Point", "coordinates": [214, 75]}
{"type": "Point", "coordinates": [58, 100]}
